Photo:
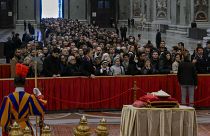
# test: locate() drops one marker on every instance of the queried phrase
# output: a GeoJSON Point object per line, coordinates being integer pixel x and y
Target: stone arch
{"type": "Point", "coordinates": [201, 16]}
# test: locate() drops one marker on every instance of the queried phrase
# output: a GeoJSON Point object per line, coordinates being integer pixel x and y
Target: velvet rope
{"type": "Point", "coordinates": [199, 101]}
{"type": "Point", "coordinates": [112, 98]}
{"type": "Point", "coordinates": [87, 103]}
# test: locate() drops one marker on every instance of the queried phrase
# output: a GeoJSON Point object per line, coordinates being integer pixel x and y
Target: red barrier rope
{"type": "Point", "coordinates": [108, 99]}
{"type": "Point", "coordinates": [82, 103]}
{"type": "Point", "coordinates": [198, 101]}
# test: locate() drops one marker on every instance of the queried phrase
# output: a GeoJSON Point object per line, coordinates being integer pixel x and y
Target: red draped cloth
{"type": "Point", "coordinates": [5, 71]}
{"type": "Point", "coordinates": [105, 92]}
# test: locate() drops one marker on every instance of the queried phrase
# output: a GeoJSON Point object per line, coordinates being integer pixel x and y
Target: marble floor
{"type": "Point", "coordinates": [4, 33]}
{"type": "Point", "coordinates": [62, 124]}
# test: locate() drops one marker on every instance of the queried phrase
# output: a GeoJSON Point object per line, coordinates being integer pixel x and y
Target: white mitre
{"type": "Point", "coordinates": [161, 93]}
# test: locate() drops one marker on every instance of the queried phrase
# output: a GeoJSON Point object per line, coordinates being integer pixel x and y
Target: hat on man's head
{"type": "Point", "coordinates": [116, 58]}
{"type": "Point", "coordinates": [21, 70]}
{"type": "Point", "coordinates": [104, 62]}
{"type": "Point", "coordinates": [21, 73]}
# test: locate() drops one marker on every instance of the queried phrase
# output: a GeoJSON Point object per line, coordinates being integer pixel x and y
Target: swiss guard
{"type": "Point", "coordinates": [19, 105]}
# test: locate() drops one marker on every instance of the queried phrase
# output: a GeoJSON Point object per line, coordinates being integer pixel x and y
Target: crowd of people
{"type": "Point", "coordinates": [72, 48]}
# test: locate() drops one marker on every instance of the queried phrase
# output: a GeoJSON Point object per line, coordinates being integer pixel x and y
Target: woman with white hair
{"type": "Point", "coordinates": [72, 67]}
{"type": "Point", "coordinates": [117, 69]}
{"type": "Point", "coordinates": [106, 57]}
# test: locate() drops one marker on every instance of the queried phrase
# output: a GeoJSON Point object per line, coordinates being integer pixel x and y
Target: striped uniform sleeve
{"type": "Point", "coordinates": [36, 107]}
{"type": "Point", "coordinates": [5, 114]}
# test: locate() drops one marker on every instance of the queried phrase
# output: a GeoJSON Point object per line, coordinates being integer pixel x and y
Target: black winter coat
{"type": "Point", "coordinates": [51, 66]}
{"type": "Point", "coordinates": [187, 74]}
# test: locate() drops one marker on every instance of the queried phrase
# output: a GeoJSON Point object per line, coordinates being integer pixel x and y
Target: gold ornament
{"type": "Point", "coordinates": [27, 131]}
{"type": "Point", "coordinates": [46, 131]}
{"type": "Point", "coordinates": [101, 129]}
{"type": "Point", "coordinates": [82, 129]}
{"type": "Point", "coordinates": [15, 130]}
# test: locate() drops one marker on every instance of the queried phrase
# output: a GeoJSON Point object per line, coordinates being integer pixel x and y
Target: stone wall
{"type": "Point", "coordinates": [124, 9]}
{"type": "Point", "coordinates": [26, 9]}
{"type": "Point", "coordinates": [170, 12]}
{"type": "Point", "coordinates": [77, 9]}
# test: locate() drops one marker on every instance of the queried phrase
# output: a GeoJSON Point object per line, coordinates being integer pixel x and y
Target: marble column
{"type": "Point", "coordinates": [38, 11]}
{"type": "Point", "coordinates": [182, 12]}
{"type": "Point", "coordinates": [188, 12]}
{"type": "Point", "coordinates": [154, 10]}
{"type": "Point", "coordinates": [169, 10]}
{"type": "Point", "coordinates": [131, 9]}
{"type": "Point", "coordinates": [148, 11]}
{"type": "Point", "coordinates": [66, 9]}
{"type": "Point", "coordinates": [209, 11]}
{"type": "Point", "coordinates": [88, 14]}
{"type": "Point", "coordinates": [27, 9]}
{"type": "Point", "coordinates": [142, 7]}
{"type": "Point", "coordinates": [15, 12]}
{"type": "Point", "coordinates": [123, 9]}
{"type": "Point", "coordinates": [77, 9]}
{"type": "Point", "coordinates": [173, 11]}
{"type": "Point", "coordinates": [192, 18]}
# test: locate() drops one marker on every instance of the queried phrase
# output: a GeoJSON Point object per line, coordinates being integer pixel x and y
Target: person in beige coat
{"type": "Point", "coordinates": [175, 64]}
{"type": "Point", "coordinates": [16, 59]}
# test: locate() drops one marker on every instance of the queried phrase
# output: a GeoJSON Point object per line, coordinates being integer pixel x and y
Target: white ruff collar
{"type": "Point", "coordinates": [19, 89]}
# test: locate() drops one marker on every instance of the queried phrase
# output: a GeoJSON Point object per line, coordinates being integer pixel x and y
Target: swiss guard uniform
{"type": "Point", "coordinates": [19, 105]}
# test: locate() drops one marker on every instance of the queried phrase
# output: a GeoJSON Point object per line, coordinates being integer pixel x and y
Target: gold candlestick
{"type": "Point", "coordinates": [27, 131]}
{"type": "Point", "coordinates": [15, 130]}
{"type": "Point", "coordinates": [46, 131]}
{"type": "Point", "coordinates": [82, 129]}
{"type": "Point", "coordinates": [101, 129]}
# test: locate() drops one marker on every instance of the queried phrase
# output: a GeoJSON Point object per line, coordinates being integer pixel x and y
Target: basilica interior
{"type": "Point", "coordinates": [97, 104]}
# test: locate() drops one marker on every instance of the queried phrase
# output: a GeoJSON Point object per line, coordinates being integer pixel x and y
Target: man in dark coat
{"type": "Point", "coordinates": [187, 77]}
{"type": "Point", "coordinates": [9, 49]}
{"type": "Point", "coordinates": [24, 25]}
{"type": "Point", "coordinates": [17, 41]}
{"type": "Point", "coordinates": [158, 39]}
{"type": "Point", "coordinates": [51, 64]}
{"type": "Point", "coordinates": [200, 61]}
{"type": "Point", "coordinates": [123, 31]}
{"type": "Point", "coordinates": [29, 27]}
{"type": "Point", "coordinates": [207, 55]}
{"type": "Point", "coordinates": [87, 67]}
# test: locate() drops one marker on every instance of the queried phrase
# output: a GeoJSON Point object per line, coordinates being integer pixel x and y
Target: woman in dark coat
{"type": "Point", "coordinates": [72, 68]}
{"type": "Point", "coordinates": [165, 63]}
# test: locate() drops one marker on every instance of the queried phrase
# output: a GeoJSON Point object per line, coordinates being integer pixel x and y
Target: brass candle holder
{"type": "Point", "coordinates": [101, 129]}
{"type": "Point", "coordinates": [82, 129]}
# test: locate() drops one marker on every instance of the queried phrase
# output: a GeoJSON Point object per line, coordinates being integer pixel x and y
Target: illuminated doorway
{"type": "Point", "coordinates": [52, 9]}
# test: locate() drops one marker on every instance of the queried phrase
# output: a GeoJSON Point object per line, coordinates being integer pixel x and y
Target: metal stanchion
{"type": "Point", "coordinates": [134, 90]}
